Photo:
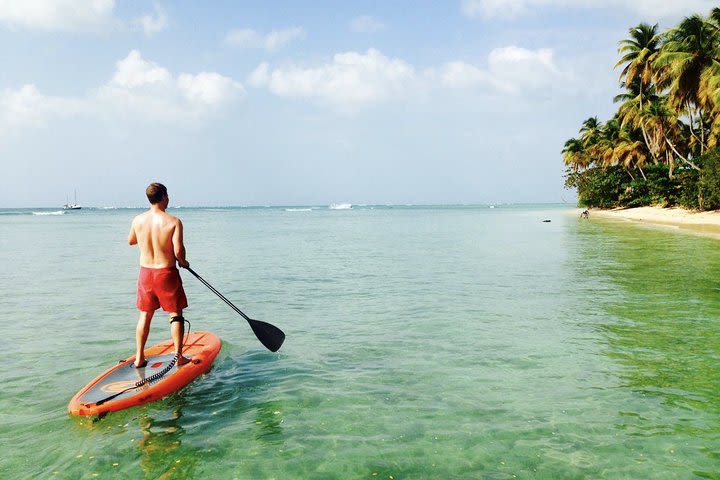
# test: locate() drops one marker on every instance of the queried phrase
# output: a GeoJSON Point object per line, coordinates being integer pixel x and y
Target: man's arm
{"type": "Point", "coordinates": [132, 236]}
{"type": "Point", "coordinates": [179, 246]}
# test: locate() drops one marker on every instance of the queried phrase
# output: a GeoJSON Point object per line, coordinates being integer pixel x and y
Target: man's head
{"type": "Point", "coordinates": [156, 192]}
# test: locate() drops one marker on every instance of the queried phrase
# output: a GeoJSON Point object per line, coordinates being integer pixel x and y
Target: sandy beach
{"type": "Point", "coordinates": [703, 223]}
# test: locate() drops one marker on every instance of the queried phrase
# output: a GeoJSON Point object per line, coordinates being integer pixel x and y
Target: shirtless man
{"type": "Point", "coordinates": [160, 238]}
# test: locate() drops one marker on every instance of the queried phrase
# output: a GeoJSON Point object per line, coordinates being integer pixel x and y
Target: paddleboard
{"type": "Point", "coordinates": [124, 386]}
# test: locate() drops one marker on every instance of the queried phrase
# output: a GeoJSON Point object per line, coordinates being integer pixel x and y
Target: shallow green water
{"type": "Point", "coordinates": [449, 343]}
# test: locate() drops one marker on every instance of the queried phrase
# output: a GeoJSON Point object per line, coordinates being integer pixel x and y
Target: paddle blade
{"type": "Point", "coordinates": [269, 335]}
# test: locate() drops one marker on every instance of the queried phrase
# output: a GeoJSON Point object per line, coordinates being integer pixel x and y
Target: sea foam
{"type": "Point", "coordinates": [340, 206]}
{"type": "Point", "coordinates": [58, 212]}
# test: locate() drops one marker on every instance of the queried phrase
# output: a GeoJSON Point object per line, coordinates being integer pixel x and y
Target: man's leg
{"type": "Point", "coordinates": [177, 331]}
{"type": "Point", "coordinates": [141, 335]}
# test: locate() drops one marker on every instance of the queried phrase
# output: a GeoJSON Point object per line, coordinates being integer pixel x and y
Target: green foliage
{"type": "Point", "coordinates": [709, 182]}
{"type": "Point", "coordinates": [657, 188]}
{"type": "Point", "coordinates": [615, 187]}
{"type": "Point", "coordinates": [689, 187]}
{"type": "Point", "coordinates": [597, 186]}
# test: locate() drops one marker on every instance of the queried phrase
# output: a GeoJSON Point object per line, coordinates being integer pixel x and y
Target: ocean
{"type": "Point", "coordinates": [423, 342]}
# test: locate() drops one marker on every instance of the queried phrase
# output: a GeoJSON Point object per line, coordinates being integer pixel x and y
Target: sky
{"type": "Point", "coordinates": [271, 102]}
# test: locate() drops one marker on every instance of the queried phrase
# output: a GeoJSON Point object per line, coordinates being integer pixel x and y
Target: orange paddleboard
{"type": "Point", "coordinates": [124, 386]}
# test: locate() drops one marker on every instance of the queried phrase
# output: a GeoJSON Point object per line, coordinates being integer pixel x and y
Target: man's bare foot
{"type": "Point", "coordinates": [182, 360]}
{"type": "Point", "coordinates": [141, 364]}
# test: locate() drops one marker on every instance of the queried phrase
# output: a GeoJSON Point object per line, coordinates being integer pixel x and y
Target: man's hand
{"type": "Point", "coordinates": [184, 263]}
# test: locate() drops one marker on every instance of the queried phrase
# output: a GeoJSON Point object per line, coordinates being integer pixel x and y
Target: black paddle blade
{"type": "Point", "coordinates": [269, 335]}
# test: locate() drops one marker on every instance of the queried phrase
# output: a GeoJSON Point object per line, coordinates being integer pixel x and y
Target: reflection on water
{"type": "Point", "coordinates": [162, 456]}
{"type": "Point", "coordinates": [661, 296]}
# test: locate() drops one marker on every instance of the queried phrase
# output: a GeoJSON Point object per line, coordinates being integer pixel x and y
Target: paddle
{"type": "Point", "coordinates": [269, 335]}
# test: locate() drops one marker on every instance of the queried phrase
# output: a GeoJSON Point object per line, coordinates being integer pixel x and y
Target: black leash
{"type": "Point", "coordinates": [140, 383]}
{"type": "Point", "coordinates": [152, 378]}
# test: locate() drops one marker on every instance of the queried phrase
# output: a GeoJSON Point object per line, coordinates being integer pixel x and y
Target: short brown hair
{"type": "Point", "coordinates": [155, 192]}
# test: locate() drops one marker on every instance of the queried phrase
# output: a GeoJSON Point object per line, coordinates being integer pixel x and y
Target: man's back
{"type": "Point", "coordinates": [154, 231]}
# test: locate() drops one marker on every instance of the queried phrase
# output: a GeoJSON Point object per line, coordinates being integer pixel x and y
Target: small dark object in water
{"type": "Point", "coordinates": [546, 221]}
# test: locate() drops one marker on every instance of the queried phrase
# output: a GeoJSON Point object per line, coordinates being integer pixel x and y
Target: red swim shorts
{"type": "Point", "coordinates": [160, 287]}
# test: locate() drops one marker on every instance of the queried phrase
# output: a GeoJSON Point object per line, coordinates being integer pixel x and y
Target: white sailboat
{"type": "Point", "coordinates": [71, 206]}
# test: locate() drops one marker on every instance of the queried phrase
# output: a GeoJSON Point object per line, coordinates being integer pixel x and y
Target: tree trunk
{"type": "Point", "coordinates": [680, 156]}
{"type": "Point", "coordinates": [647, 143]}
{"type": "Point", "coordinates": [642, 128]}
{"type": "Point", "coordinates": [692, 130]}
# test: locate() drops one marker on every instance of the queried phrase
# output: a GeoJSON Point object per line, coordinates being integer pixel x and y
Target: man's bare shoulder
{"type": "Point", "coordinates": [140, 217]}
{"type": "Point", "coordinates": [171, 218]}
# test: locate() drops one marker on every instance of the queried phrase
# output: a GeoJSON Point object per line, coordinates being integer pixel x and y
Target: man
{"type": "Point", "coordinates": [159, 236]}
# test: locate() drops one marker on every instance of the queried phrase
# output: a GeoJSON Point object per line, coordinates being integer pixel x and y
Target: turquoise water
{"type": "Point", "coordinates": [422, 342]}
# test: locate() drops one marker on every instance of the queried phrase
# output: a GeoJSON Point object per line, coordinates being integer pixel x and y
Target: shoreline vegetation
{"type": "Point", "coordinates": [662, 146]}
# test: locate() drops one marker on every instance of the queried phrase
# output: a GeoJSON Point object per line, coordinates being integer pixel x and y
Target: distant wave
{"type": "Point", "coordinates": [340, 206]}
{"type": "Point", "coordinates": [298, 209]}
{"type": "Point", "coordinates": [58, 212]}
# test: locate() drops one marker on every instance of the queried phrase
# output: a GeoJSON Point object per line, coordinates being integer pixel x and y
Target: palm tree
{"type": "Point", "coordinates": [575, 155]}
{"type": "Point", "coordinates": [639, 52]}
{"type": "Point", "coordinates": [711, 78]}
{"type": "Point", "coordinates": [638, 55]}
{"type": "Point", "coordinates": [687, 66]}
{"type": "Point", "coordinates": [634, 100]}
{"type": "Point", "coordinates": [661, 127]}
{"type": "Point", "coordinates": [590, 131]}
{"type": "Point", "coordinates": [619, 145]}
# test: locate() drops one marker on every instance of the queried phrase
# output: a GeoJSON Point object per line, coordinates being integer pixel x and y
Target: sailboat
{"type": "Point", "coordinates": [71, 206]}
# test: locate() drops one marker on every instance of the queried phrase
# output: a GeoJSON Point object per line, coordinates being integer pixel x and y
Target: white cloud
{"type": "Point", "coordinates": [142, 88]}
{"type": "Point", "coordinates": [275, 40]}
{"type": "Point", "coordinates": [260, 77]}
{"type": "Point", "coordinates": [351, 80]}
{"type": "Point", "coordinates": [366, 24]}
{"type": "Point", "coordinates": [132, 71]}
{"type": "Point", "coordinates": [459, 74]}
{"type": "Point", "coordinates": [26, 107]}
{"type": "Point", "coordinates": [138, 91]}
{"type": "Point", "coordinates": [653, 9]}
{"type": "Point", "coordinates": [153, 24]}
{"type": "Point", "coordinates": [208, 88]}
{"type": "Point", "coordinates": [57, 15]}
{"type": "Point", "coordinates": [510, 70]}
{"type": "Point", "coordinates": [494, 8]}
{"type": "Point", "coordinates": [519, 69]}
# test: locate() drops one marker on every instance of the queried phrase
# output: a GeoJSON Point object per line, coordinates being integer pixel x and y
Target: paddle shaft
{"type": "Point", "coordinates": [222, 297]}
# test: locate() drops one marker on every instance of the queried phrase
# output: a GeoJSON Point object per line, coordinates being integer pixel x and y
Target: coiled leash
{"type": "Point", "coordinates": [156, 376]}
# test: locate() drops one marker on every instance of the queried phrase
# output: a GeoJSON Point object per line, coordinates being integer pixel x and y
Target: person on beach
{"type": "Point", "coordinates": [159, 236]}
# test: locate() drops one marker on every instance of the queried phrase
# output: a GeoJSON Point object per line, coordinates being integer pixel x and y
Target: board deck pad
{"type": "Point", "coordinates": [200, 347]}
{"type": "Point", "coordinates": [125, 377]}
